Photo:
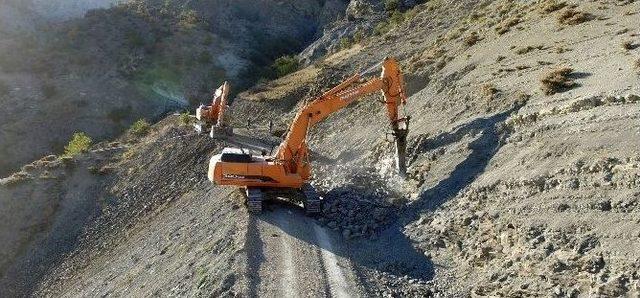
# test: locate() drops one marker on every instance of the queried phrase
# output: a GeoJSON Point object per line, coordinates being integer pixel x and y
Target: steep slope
{"type": "Point", "coordinates": [523, 179]}
{"type": "Point", "coordinates": [139, 59]}
{"type": "Point", "coordinates": [509, 183]}
{"type": "Point", "coordinates": [146, 196]}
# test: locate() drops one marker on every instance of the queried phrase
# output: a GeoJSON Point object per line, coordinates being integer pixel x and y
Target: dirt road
{"type": "Point", "coordinates": [290, 255]}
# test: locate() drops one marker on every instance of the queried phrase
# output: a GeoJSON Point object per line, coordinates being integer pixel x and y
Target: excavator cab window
{"type": "Point", "coordinates": [235, 155]}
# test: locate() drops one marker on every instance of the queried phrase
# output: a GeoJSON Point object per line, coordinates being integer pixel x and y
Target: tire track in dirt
{"type": "Point", "coordinates": [289, 282]}
{"type": "Point", "coordinates": [301, 258]}
{"type": "Point", "coordinates": [337, 280]}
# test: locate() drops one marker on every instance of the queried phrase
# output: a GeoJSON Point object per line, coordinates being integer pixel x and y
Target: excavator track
{"type": "Point", "coordinates": [254, 200]}
{"type": "Point", "coordinates": [312, 201]}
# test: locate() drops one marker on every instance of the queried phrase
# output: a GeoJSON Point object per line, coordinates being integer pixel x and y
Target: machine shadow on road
{"type": "Point", "coordinates": [391, 252]}
{"type": "Point", "coordinates": [254, 244]}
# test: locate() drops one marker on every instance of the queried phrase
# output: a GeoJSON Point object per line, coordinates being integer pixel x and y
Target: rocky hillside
{"type": "Point", "coordinates": [141, 59]}
{"type": "Point", "coordinates": [523, 169]}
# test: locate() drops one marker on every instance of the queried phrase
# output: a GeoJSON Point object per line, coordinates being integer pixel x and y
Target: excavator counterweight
{"type": "Point", "coordinates": [289, 167]}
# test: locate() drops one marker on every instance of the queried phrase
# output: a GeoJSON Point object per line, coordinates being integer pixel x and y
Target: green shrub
{"type": "Point", "coordinates": [391, 5]}
{"type": "Point", "coordinates": [358, 36]}
{"type": "Point", "coordinates": [345, 43]}
{"type": "Point", "coordinates": [381, 28]}
{"type": "Point", "coordinates": [79, 143]}
{"type": "Point", "coordinates": [396, 18]}
{"type": "Point", "coordinates": [185, 118]}
{"type": "Point", "coordinates": [285, 65]}
{"type": "Point", "coordinates": [139, 128]}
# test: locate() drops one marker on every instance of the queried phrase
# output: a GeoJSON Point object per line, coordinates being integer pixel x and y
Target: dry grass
{"type": "Point", "coordinates": [528, 49]}
{"type": "Point", "coordinates": [574, 17]}
{"type": "Point", "coordinates": [557, 81]}
{"type": "Point", "coordinates": [550, 6]}
{"type": "Point", "coordinates": [505, 26]}
{"type": "Point", "coordinates": [629, 45]}
{"type": "Point", "coordinates": [637, 65]}
{"type": "Point", "coordinates": [489, 90]}
{"type": "Point", "coordinates": [622, 31]}
{"type": "Point", "coordinates": [471, 39]}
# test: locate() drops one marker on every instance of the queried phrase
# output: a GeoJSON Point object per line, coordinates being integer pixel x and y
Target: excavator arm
{"type": "Point", "coordinates": [221, 95]}
{"type": "Point", "coordinates": [212, 116]}
{"type": "Point", "coordinates": [293, 152]}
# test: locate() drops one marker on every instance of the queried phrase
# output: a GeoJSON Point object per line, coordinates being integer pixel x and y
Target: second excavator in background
{"type": "Point", "coordinates": [211, 119]}
{"type": "Point", "coordinates": [290, 168]}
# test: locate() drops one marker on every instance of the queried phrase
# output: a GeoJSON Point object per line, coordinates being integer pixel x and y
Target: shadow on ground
{"type": "Point", "coordinates": [483, 148]}
{"type": "Point", "coordinates": [254, 243]}
{"type": "Point", "coordinates": [391, 253]}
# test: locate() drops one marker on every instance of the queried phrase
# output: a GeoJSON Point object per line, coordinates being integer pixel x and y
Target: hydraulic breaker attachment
{"type": "Point", "coordinates": [400, 134]}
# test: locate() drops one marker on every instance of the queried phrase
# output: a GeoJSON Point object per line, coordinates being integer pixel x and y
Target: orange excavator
{"type": "Point", "coordinates": [290, 168]}
{"type": "Point", "coordinates": [211, 118]}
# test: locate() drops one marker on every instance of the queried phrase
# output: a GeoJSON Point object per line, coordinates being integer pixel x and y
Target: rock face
{"type": "Point", "coordinates": [141, 59]}
{"type": "Point", "coordinates": [360, 16]}
{"type": "Point", "coordinates": [360, 19]}
{"type": "Point", "coordinates": [510, 192]}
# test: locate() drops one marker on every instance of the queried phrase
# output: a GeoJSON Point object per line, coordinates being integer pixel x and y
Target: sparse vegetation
{"type": "Point", "coordinates": [285, 65]}
{"type": "Point", "coordinates": [573, 17]}
{"type": "Point", "coordinates": [489, 90]}
{"type": "Point", "coordinates": [471, 39]}
{"type": "Point", "coordinates": [391, 5]}
{"type": "Point", "coordinates": [345, 43]}
{"type": "Point", "coordinates": [628, 45]}
{"type": "Point", "coordinates": [381, 28]}
{"type": "Point", "coordinates": [185, 118]}
{"type": "Point", "coordinates": [79, 143]}
{"type": "Point", "coordinates": [396, 18]}
{"type": "Point", "coordinates": [140, 128]}
{"type": "Point", "coordinates": [557, 81]}
{"type": "Point", "coordinates": [358, 36]}
{"type": "Point", "coordinates": [528, 49]}
{"type": "Point", "coordinates": [505, 26]}
{"type": "Point", "coordinates": [550, 6]}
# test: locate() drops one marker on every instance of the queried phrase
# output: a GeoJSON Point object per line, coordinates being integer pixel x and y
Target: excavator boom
{"type": "Point", "coordinates": [289, 167]}
{"type": "Point", "coordinates": [293, 150]}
